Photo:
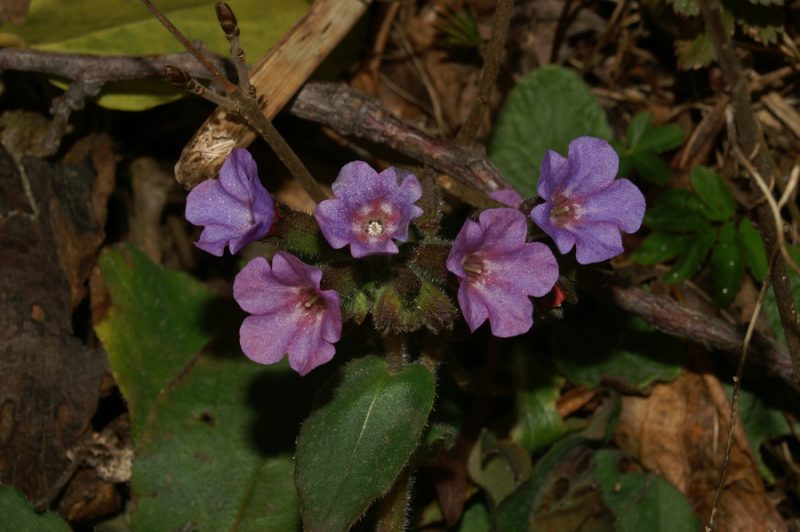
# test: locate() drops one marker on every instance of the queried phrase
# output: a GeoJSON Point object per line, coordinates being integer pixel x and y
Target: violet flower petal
{"type": "Point", "coordinates": [583, 205]}
{"type": "Point", "coordinates": [498, 270]}
{"type": "Point", "coordinates": [370, 210]}
{"type": "Point", "coordinates": [507, 196]}
{"type": "Point", "coordinates": [235, 209]}
{"type": "Point", "coordinates": [291, 315]}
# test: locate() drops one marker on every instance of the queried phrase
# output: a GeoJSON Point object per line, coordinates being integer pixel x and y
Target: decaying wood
{"type": "Point", "coordinates": [279, 75]}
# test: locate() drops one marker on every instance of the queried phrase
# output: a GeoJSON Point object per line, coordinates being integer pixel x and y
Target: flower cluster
{"type": "Point", "coordinates": [498, 269]}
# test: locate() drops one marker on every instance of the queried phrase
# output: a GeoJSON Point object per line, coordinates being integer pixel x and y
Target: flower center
{"type": "Point", "coordinates": [473, 265]}
{"type": "Point", "coordinates": [374, 227]}
{"type": "Point", "coordinates": [563, 210]}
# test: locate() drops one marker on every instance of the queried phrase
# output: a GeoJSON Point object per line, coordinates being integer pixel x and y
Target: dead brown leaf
{"type": "Point", "coordinates": [679, 431]}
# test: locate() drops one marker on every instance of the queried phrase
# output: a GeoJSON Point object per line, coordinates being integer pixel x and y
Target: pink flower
{"type": "Point", "coordinates": [235, 209]}
{"type": "Point", "coordinates": [290, 314]}
{"type": "Point", "coordinates": [371, 210]}
{"type": "Point", "coordinates": [498, 271]}
{"type": "Point", "coordinates": [584, 206]}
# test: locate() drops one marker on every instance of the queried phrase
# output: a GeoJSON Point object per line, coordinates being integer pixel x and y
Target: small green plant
{"type": "Point", "coordinates": [645, 142]}
{"type": "Point", "coordinates": [459, 29]}
{"type": "Point", "coordinates": [689, 226]}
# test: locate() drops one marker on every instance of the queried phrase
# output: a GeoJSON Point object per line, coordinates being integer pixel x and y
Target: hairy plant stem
{"type": "Point", "coordinates": [752, 143]}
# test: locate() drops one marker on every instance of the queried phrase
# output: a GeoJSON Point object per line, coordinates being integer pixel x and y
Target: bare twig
{"type": "Point", "coordinates": [775, 207]}
{"type": "Point", "coordinates": [102, 69]}
{"type": "Point", "coordinates": [674, 319]}
{"type": "Point", "coordinates": [752, 141]}
{"type": "Point", "coordinates": [190, 46]}
{"type": "Point", "coordinates": [349, 112]}
{"type": "Point", "coordinates": [737, 385]}
{"type": "Point", "coordinates": [245, 101]}
{"type": "Point", "coordinates": [493, 58]}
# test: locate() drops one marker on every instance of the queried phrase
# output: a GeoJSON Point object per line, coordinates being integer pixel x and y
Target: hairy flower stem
{"type": "Point", "coordinates": [752, 141]}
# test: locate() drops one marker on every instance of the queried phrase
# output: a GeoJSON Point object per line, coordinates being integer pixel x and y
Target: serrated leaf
{"type": "Point", "coordinates": [753, 247]}
{"type": "Point", "coordinates": [714, 192]}
{"type": "Point", "coordinates": [113, 27]}
{"type": "Point", "coordinates": [350, 450]}
{"type": "Point", "coordinates": [651, 167]}
{"type": "Point", "coordinates": [549, 108]}
{"type": "Point", "coordinates": [660, 247]}
{"type": "Point", "coordinates": [727, 263]}
{"type": "Point", "coordinates": [202, 424]}
{"type": "Point", "coordinates": [17, 515]}
{"type": "Point", "coordinates": [641, 501]}
{"type": "Point", "coordinates": [590, 347]}
{"type": "Point", "coordinates": [695, 53]}
{"type": "Point", "coordinates": [691, 259]}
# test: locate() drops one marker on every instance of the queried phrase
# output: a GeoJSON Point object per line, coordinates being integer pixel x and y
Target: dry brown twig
{"type": "Point", "coordinates": [751, 140]}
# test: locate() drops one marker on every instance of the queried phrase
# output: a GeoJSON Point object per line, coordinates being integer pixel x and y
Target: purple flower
{"type": "Point", "coordinates": [498, 270]}
{"type": "Point", "coordinates": [584, 206]}
{"type": "Point", "coordinates": [370, 210]}
{"type": "Point", "coordinates": [507, 196]}
{"type": "Point", "coordinates": [290, 314]}
{"type": "Point", "coordinates": [235, 209]}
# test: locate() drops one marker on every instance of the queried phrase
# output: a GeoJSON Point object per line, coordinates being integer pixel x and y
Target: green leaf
{"type": "Point", "coordinates": [202, 461]}
{"type": "Point", "coordinates": [660, 247]}
{"type": "Point", "coordinates": [727, 263]}
{"type": "Point", "coordinates": [762, 422]}
{"type": "Point", "coordinates": [113, 27]}
{"type": "Point", "coordinates": [637, 126]}
{"type": "Point", "coordinates": [694, 53]}
{"type": "Point", "coordinates": [685, 7]}
{"type": "Point", "coordinates": [209, 453]}
{"type": "Point", "coordinates": [350, 450]}
{"type": "Point", "coordinates": [661, 139]}
{"type": "Point", "coordinates": [641, 501]}
{"type": "Point", "coordinates": [17, 515]}
{"type": "Point", "coordinates": [678, 210]}
{"type": "Point", "coordinates": [589, 347]}
{"type": "Point", "coordinates": [156, 325]}
{"type": "Point", "coordinates": [549, 108]}
{"type": "Point", "coordinates": [651, 167]}
{"type": "Point", "coordinates": [714, 192]}
{"type": "Point", "coordinates": [476, 518]}
{"type": "Point", "coordinates": [694, 257]}
{"type": "Point", "coordinates": [770, 303]}
{"type": "Point", "coordinates": [753, 247]}
{"type": "Point", "coordinates": [561, 495]}
{"type": "Point", "coordinates": [498, 466]}
{"type": "Point", "coordinates": [536, 420]}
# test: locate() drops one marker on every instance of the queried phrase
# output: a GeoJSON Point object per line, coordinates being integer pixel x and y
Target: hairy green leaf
{"type": "Point", "coordinates": [211, 452]}
{"type": "Point", "coordinates": [350, 451]}
{"type": "Point", "coordinates": [17, 515]}
{"type": "Point", "coordinates": [549, 108]}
